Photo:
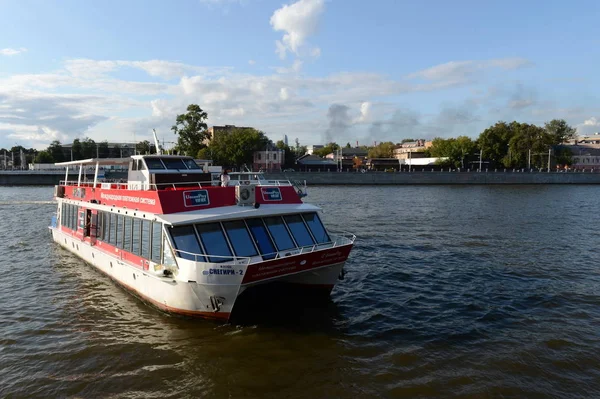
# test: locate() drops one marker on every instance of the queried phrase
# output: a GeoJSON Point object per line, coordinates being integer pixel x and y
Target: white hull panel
{"type": "Point", "coordinates": [183, 297]}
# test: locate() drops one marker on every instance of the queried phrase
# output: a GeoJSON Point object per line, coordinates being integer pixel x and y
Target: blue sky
{"type": "Point", "coordinates": [315, 70]}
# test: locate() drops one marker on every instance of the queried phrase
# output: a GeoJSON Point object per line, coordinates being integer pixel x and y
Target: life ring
{"type": "Point", "coordinates": [363, 171]}
{"type": "Point", "coordinates": [245, 194]}
{"type": "Point", "coordinates": [246, 182]}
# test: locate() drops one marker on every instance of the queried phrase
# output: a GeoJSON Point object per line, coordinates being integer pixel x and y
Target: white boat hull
{"type": "Point", "coordinates": [175, 295]}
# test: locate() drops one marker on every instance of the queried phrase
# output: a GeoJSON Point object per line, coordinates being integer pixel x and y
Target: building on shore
{"type": "Point", "coordinates": [412, 149]}
{"type": "Point", "coordinates": [271, 159]}
{"type": "Point", "coordinates": [308, 162]}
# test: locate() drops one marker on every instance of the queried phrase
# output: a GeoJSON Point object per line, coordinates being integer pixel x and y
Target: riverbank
{"type": "Point", "coordinates": [50, 178]}
{"type": "Point", "coordinates": [438, 178]}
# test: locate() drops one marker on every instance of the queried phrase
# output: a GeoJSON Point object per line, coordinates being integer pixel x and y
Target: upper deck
{"type": "Point", "coordinates": [166, 184]}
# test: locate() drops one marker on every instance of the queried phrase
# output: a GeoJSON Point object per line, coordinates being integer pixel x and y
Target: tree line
{"type": "Point", "coordinates": [502, 145]}
{"type": "Point", "coordinates": [510, 145]}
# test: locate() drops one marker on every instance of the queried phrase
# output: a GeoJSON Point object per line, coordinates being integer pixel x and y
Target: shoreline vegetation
{"type": "Point", "coordinates": [502, 145]}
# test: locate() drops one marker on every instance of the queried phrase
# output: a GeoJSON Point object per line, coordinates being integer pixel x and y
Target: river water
{"type": "Point", "coordinates": [450, 291]}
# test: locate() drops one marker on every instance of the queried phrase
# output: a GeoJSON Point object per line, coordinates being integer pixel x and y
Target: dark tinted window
{"type": "Point", "coordinates": [240, 238]}
{"type": "Point", "coordinates": [119, 231]}
{"type": "Point", "coordinates": [127, 235]}
{"type": "Point", "coordinates": [316, 227]}
{"type": "Point", "coordinates": [299, 230]}
{"type": "Point", "coordinates": [173, 163]}
{"type": "Point", "coordinates": [145, 239]}
{"type": "Point", "coordinates": [112, 236]}
{"type": "Point", "coordinates": [259, 232]}
{"type": "Point", "coordinates": [279, 233]}
{"type": "Point", "coordinates": [214, 242]}
{"type": "Point", "coordinates": [191, 164]}
{"type": "Point", "coordinates": [156, 242]}
{"type": "Point", "coordinates": [184, 239]}
{"type": "Point", "coordinates": [154, 163]}
{"type": "Point", "coordinates": [135, 238]}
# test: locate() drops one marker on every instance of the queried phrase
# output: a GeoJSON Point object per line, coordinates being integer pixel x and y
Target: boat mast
{"type": "Point", "coordinates": [158, 150]}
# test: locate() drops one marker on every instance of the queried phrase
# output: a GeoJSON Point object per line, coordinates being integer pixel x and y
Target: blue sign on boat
{"type": "Point", "coordinates": [271, 193]}
{"type": "Point", "coordinates": [196, 198]}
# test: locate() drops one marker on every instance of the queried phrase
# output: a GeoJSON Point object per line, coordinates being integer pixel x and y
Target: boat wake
{"type": "Point", "coordinates": [26, 202]}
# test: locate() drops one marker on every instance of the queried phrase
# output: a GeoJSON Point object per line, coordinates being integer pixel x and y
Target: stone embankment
{"type": "Point", "coordinates": [25, 178]}
{"type": "Point", "coordinates": [437, 177]}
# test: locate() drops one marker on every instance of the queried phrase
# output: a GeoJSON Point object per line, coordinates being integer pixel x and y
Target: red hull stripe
{"type": "Point", "coordinates": [174, 201]}
{"type": "Point", "coordinates": [294, 264]}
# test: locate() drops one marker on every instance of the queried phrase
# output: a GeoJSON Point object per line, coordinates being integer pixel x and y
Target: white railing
{"type": "Point", "coordinates": [226, 260]}
{"type": "Point", "coordinates": [338, 239]}
{"type": "Point", "coordinates": [120, 185]}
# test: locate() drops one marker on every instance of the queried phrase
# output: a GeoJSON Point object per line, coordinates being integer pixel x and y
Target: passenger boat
{"type": "Point", "coordinates": [188, 247]}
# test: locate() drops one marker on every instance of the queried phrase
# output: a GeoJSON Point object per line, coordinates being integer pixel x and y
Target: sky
{"type": "Point", "coordinates": [314, 70]}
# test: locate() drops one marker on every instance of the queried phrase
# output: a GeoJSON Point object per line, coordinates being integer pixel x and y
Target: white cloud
{"type": "Point", "coordinates": [315, 52]}
{"type": "Point", "coordinates": [365, 110]}
{"type": "Point", "coordinates": [298, 20]}
{"type": "Point", "coordinates": [38, 108]}
{"type": "Point", "coordinates": [251, 62]}
{"type": "Point", "coordinates": [11, 51]}
{"type": "Point", "coordinates": [463, 70]}
{"type": "Point", "coordinates": [592, 122]}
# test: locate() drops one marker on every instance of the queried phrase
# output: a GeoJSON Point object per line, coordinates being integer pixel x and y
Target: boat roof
{"type": "Point", "coordinates": [93, 161]}
{"type": "Point", "coordinates": [234, 212]}
{"type": "Point", "coordinates": [117, 161]}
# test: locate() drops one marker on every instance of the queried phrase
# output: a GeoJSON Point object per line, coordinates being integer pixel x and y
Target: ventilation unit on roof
{"type": "Point", "coordinates": [244, 193]}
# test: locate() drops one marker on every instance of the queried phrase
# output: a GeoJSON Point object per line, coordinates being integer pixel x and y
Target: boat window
{"type": "Point", "coordinates": [299, 230]}
{"type": "Point", "coordinates": [119, 232]}
{"type": "Point", "coordinates": [141, 165]}
{"type": "Point", "coordinates": [185, 240]}
{"type": "Point", "coordinates": [112, 237]}
{"type": "Point", "coordinates": [154, 163]}
{"type": "Point", "coordinates": [279, 233]}
{"type": "Point", "coordinates": [145, 239]}
{"type": "Point", "coordinates": [127, 233]}
{"type": "Point", "coordinates": [213, 240]}
{"type": "Point", "coordinates": [155, 254]}
{"type": "Point", "coordinates": [133, 165]}
{"type": "Point", "coordinates": [259, 232]}
{"type": "Point", "coordinates": [191, 164]}
{"type": "Point", "coordinates": [135, 237]}
{"type": "Point", "coordinates": [316, 228]}
{"type": "Point", "coordinates": [168, 259]}
{"type": "Point", "coordinates": [240, 238]}
{"type": "Point", "coordinates": [105, 225]}
{"type": "Point", "coordinates": [173, 163]}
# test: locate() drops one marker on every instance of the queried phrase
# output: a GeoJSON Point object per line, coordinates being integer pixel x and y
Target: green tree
{"type": "Point", "coordinates": [560, 131]}
{"type": "Point", "coordinates": [382, 150]}
{"type": "Point", "coordinates": [407, 141]}
{"type": "Point", "coordinates": [494, 140]}
{"type": "Point", "coordinates": [237, 147]}
{"type": "Point", "coordinates": [327, 149]}
{"type": "Point", "coordinates": [145, 147]}
{"type": "Point", "coordinates": [191, 129]}
{"type": "Point", "coordinates": [56, 151]}
{"type": "Point", "coordinates": [103, 151]}
{"type": "Point", "coordinates": [77, 150]}
{"type": "Point", "coordinates": [44, 157]}
{"type": "Point", "coordinates": [290, 156]}
{"type": "Point", "coordinates": [458, 151]}
{"type": "Point", "coordinates": [88, 148]}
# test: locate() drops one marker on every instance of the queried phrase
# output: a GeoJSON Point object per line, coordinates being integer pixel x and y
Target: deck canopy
{"type": "Point", "coordinates": [233, 212]}
{"type": "Point", "coordinates": [93, 161]}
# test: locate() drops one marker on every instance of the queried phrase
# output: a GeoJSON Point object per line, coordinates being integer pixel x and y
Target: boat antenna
{"type": "Point", "coordinates": [158, 151]}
